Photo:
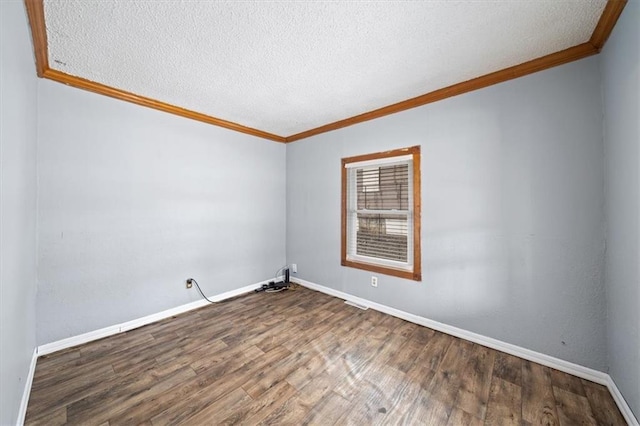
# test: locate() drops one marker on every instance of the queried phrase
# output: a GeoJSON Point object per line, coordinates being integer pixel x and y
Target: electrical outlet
{"type": "Point", "coordinates": [294, 268]}
{"type": "Point", "coordinates": [374, 281]}
{"type": "Point", "coordinates": [189, 283]}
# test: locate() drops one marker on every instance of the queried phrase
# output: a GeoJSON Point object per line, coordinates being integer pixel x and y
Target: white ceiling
{"type": "Point", "coordinates": [289, 66]}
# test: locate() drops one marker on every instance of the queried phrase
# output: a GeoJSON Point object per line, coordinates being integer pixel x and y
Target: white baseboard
{"type": "Point", "coordinates": [130, 325]}
{"type": "Point", "coordinates": [622, 403]}
{"type": "Point", "coordinates": [27, 389]}
{"type": "Point", "coordinates": [540, 358]}
{"type": "Point", "coordinates": [537, 357]}
{"type": "Point", "coordinates": [549, 361]}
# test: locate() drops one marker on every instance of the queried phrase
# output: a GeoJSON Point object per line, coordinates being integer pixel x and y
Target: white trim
{"type": "Point", "coordinates": [26, 393]}
{"type": "Point", "coordinates": [363, 307]}
{"type": "Point", "coordinates": [130, 325]}
{"type": "Point", "coordinates": [622, 403]}
{"type": "Point", "coordinates": [540, 358]}
{"type": "Point", "coordinates": [384, 161]}
{"type": "Point", "coordinates": [549, 361]}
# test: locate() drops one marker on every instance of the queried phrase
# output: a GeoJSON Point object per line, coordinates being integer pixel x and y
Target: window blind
{"type": "Point", "coordinates": [379, 212]}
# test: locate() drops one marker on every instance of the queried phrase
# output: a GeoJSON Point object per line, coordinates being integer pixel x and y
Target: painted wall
{"type": "Point", "coordinates": [18, 193]}
{"type": "Point", "coordinates": [621, 87]}
{"type": "Point", "coordinates": [133, 201]}
{"type": "Point", "coordinates": [512, 216]}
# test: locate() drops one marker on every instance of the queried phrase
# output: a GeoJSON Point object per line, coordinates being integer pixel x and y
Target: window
{"type": "Point", "coordinates": [381, 212]}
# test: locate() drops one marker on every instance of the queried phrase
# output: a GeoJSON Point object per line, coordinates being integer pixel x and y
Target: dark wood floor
{"type": "Point", "coordinates": [302, 357]}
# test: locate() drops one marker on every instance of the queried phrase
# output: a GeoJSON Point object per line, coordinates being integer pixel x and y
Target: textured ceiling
{"type": "Point", "coordinates": [289, 66]}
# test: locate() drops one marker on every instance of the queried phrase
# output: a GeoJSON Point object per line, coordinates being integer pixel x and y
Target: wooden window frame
{"type": "Point", "coordinates": [416, 273]}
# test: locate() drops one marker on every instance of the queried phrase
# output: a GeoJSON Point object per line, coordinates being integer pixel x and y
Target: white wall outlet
{"type": "Point", "coordinates": [374, 281]}
{"type": "Point", "coordinates": [294, 268]}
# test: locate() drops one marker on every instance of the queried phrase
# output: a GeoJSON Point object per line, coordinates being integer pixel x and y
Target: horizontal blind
{"type": "Point", "coordinates": [379, 213]}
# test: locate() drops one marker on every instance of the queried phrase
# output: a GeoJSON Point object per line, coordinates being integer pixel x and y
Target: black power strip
{"type": "Point", "coordinates": [273, 286]}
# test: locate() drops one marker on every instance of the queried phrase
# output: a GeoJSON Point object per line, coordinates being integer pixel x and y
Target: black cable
{"type": "Point", "coordinates": [201, 293]}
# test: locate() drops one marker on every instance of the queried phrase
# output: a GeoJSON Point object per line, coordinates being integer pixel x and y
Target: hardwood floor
{"type": "Point", "coordinates": [302, 357]}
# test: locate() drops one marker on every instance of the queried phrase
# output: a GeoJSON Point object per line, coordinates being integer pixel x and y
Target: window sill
{"type": "Point", "coordinates": [410, 275]}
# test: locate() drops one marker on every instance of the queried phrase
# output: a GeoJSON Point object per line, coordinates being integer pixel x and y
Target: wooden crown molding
{"type": "Point", "coordinates": [608, 19]}
{"type": "Point", "coordinates": [601, 33]}
{"type": "Point", "coordinates": [112, 92]}
{"type": "Point", "coordinates": [552, 60]}
{"type": "Point", "coordinates": [35, 12]}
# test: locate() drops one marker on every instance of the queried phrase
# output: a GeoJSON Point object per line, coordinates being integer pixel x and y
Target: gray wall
{"type": "Point", "coordinates": [621, 78]}
{"type": "Point", "coordinates": [133, 201]}
{"type": "Point", "coordinates": [512, 216]}
{"type": "Point", "coordinates": [18, 192]}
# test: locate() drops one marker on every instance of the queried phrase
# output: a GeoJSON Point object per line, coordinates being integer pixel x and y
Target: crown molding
{"type": "Point", "coordinates": [569, 55]}
{"type": "Point", "coordinates": [600, 34]}
{"type": "Point", "coordinates": [35, 12]}
{"type": "Point", "coordinates": [112, 92]}
{"type": "Point", "coordinates": [608, 19]}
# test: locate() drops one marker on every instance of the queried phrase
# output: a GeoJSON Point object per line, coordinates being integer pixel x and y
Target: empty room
{"type": "Point", "coordinates": [320, 212]}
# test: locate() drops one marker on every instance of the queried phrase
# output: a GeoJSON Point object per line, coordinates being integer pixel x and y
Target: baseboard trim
{"type": "Point", "coordinates": [540, 358]}
{"type": "Point", "coordinates": [549, 361]}
{"type": "Point", "coordinates": [26, 393]}
{"type": "Point", "coordinates": [130, 325]}
{"type": "Point", "coordinates": [621, 402]}
{"type": "Point", "coordinates": [528, 354]}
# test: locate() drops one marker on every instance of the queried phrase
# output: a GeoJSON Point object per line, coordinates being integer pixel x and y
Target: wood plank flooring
{"type": "Point", "coordinates": [302, 357]}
